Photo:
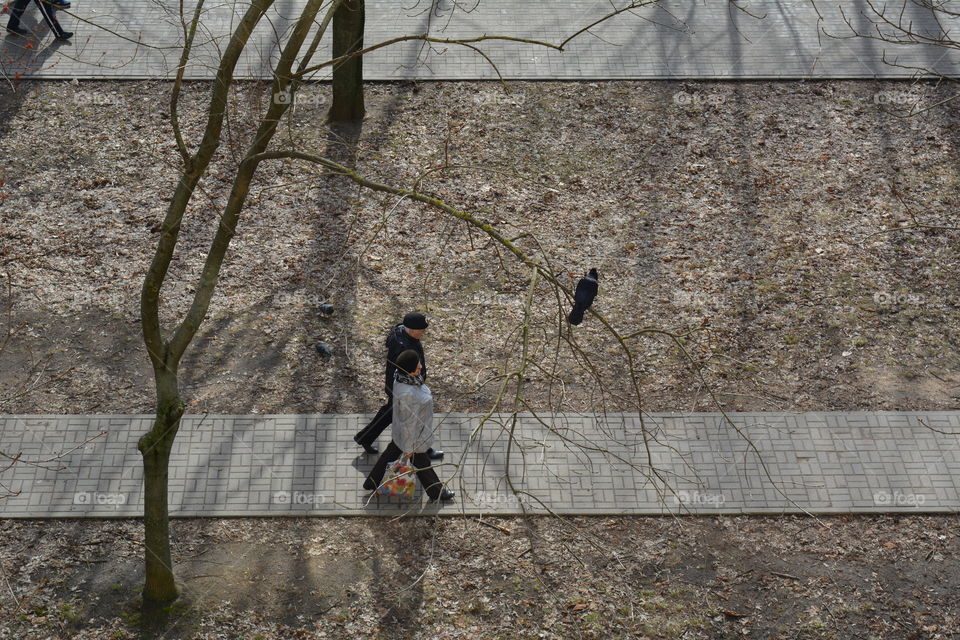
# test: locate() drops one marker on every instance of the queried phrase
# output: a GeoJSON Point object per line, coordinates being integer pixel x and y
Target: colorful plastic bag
{"type": "Point", "coordinates": [399, 479]}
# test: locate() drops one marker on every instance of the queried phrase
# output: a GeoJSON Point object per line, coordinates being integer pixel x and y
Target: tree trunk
{"type": "Point", "coordinates": [155, 447]}
{"type": "Point", "coordinates": [347, 105]}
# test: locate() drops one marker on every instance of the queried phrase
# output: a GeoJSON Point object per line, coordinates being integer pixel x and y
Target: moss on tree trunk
{"type": "Point", "coordinates": [155, 447]}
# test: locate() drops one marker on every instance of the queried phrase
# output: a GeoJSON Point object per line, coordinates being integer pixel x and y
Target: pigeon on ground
{"type": "Point", "coordinates": [326, 310]}
{"type": "Point", "coordinates": [583, 297]}
{"type": "Point", "coordinates": [323, 350]}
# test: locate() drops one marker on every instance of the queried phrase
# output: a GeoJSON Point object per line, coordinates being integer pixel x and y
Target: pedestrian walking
{"type": "Point", "coordinates": [47, 11]}
{"type": "Point", "coordinates": [404, 336]}
{"type": "Point", "coordinates": [412, 428]}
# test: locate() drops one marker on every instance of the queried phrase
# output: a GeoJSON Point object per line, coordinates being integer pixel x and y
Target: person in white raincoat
{"type": "Point", "coordinates": [412, 428]}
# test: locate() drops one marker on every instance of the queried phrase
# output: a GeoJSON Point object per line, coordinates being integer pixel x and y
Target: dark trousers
{"type": "Point", "coordinates": [421, 462]}
{"type": "Point", "coordinates": [46, 10]}
{"type": "Point", "coordinates": [369, 434]}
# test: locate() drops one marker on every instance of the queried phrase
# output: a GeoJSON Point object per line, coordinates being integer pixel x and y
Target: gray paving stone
{"type": "Point", "coordinates": [275, 465]}
{"type": "Point", "coordinates": [714, 42]}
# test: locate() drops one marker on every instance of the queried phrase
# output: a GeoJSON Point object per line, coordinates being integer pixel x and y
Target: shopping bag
{"type": "Point", "coordinates": [399, 479]}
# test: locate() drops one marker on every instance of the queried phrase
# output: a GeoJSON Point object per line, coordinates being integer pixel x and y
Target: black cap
{"type": "Point", "coordinates": [407, 361]}
{"type": "Point", "coordinates": [415, 321]}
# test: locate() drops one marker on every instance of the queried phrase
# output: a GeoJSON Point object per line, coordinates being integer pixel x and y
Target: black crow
{"type": "Point", "coordinates": [323, 350]}
{"type": "Point", "coordinates": [326, 310]}
{"type": "Point", "coordinates": [583, 297]}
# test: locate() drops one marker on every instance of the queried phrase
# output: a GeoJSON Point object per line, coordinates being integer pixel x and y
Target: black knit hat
{"type": "Point", "coordinates": [407, 361]}
{"type": "Point", "coordinates": [415, 321]}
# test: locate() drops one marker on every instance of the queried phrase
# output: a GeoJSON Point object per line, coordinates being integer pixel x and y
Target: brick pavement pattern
{"type": "Point", "coordinates": [674, 39]}
{"type": "Point", "coordinates": [288, 465]}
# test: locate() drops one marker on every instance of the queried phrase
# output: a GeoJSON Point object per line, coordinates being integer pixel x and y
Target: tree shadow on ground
{"type": "Point", "coordinates": [398, 574]}
{"type": "Point", "coordinates": [222, 579]}
{"type": "Point", "coordinates": [20, 57]}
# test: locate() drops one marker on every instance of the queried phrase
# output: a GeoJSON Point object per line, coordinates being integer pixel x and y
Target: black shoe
{"type": "Point", "coordinates": [19, 31]}
{"type": "Point", "coordinates": [445, 496]}
{"type": "Point", "coordinates": [59, 4]}
{"type": "Point", "coordinates": [369, 484]}
{"type": "Point", "coordinates": [434, 454]}
{"type": "Point", "coordinates": [65, 35]}
{"type": "Point", "coordinates": [369, 448]}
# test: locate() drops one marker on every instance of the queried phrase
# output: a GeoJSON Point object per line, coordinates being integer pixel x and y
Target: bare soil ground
{"type": "Point", "coordinates": [800, 236]}
{"type": "Point", "coordinates": [790, 577]}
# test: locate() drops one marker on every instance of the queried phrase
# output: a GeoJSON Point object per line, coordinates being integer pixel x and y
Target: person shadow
{"type": "Point", "coordinates": [22, 57]}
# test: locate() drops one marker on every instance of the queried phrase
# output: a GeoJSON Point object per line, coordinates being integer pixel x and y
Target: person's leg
{"type": "Point", "coordinates": [49, 16]}
{"type": "Point", "coordinates": [369, 434]}
{"type": "Point", "coordinates": [427, 476]}
{"type": "Point", "coordinates": [391, 453]}
{"type": "Point", "coordinates": [16, 12]}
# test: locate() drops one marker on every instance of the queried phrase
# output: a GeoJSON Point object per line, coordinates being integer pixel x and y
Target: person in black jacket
{"type": "Point", "coordinates": [406, 335]}
{"type": "Point", "coordinates": [412, 429]}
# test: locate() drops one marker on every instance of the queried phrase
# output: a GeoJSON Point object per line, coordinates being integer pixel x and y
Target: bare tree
{"type": "Point", "coordinates": [928, 24]}
{"type": "Point", "coordinates": [166, 348]}
{"type": "Point", "coordinates": [907, 23]}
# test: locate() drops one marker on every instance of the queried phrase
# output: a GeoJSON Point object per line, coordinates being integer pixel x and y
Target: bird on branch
{"type": "Point", "coordinates": [583, 297]}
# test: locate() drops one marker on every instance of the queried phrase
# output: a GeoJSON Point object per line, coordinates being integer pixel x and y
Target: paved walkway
{"type": "Point", "coordinates": [673, 39]}
{"type": "Point", "coordinates": [308, 465]}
